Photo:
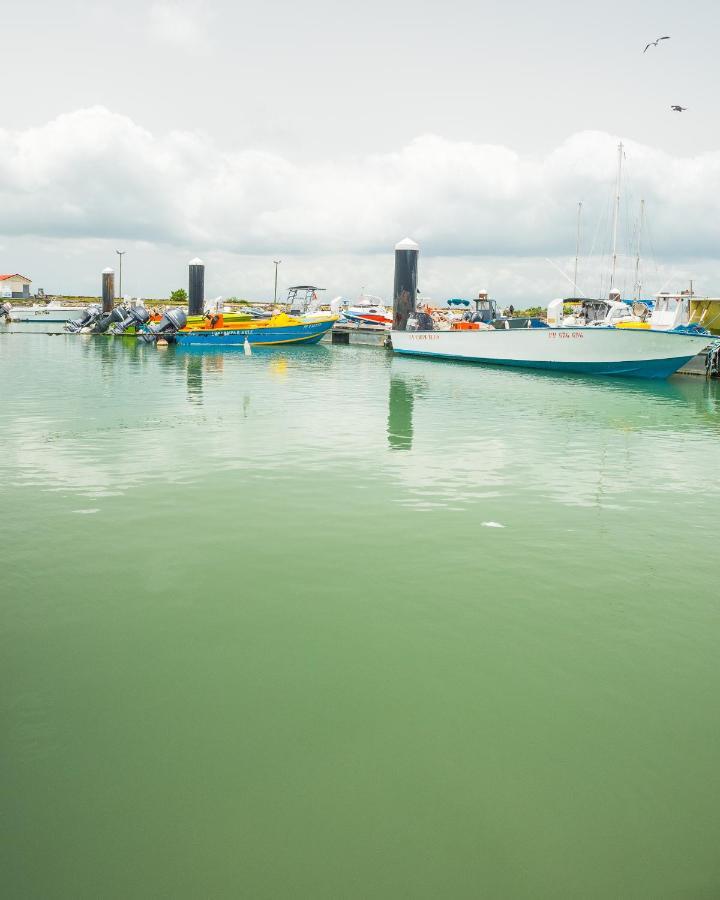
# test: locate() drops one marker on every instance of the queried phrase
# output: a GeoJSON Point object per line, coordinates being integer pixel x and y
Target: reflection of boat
{"type": "Point", "coordinates": [400, 414]}
{"type": "Point", "coordinates": [588, 350]}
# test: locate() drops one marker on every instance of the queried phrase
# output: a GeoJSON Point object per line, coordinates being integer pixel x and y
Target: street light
{"type": "Point", "coordinates": [120, 254]}
{"type": "Point", "coordinates": [277, 263]}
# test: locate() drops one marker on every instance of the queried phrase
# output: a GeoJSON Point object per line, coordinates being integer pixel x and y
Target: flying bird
{"type": "Point", "coordinates": [655, 43]}
{"type": "Point", "coordinates": [675, 108]}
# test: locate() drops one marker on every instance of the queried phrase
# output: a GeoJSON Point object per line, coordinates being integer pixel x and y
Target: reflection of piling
{"type": "Point", "coordinates": [196, 288]}
{"type": "Point", "coordinates": [108, 290]}
{"type": "Point", "coordinates": [405, 290]}
{"type": "Point", "coordinates": [400, 415]}
{"type": "Point", "coordinates": [194, 374]}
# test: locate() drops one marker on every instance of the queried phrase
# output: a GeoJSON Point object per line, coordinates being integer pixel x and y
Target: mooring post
{"type": "Point", "coordinates": [108, 290]}
{"type": "Point", "coordinates": [196, 288]}
{"type": "Point", "coordinates": [405, 289]}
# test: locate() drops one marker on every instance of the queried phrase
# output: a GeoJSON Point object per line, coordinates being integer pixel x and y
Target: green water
{"type": "Point", "coordinates": [262, 637]}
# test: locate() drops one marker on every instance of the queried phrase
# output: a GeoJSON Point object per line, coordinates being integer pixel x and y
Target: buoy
{"type": "Point", "coordinates": [247, 348]}
{"type": "Point", "coordinates": [161, 342]}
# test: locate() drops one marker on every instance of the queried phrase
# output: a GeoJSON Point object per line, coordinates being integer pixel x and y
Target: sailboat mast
{"type": "Point", "coordinates": [616, 216]}
{"type": "Point", "coordinates": [577, 247]}
{"type": "Point", "coordinates": [639, 247]}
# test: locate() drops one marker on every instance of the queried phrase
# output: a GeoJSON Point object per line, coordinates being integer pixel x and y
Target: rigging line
{"type": "Point", "coordinates": [554, 265]}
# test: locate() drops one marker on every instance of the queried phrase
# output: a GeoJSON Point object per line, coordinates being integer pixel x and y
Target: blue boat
{"type": "Point", "coordinates": [280, 329]}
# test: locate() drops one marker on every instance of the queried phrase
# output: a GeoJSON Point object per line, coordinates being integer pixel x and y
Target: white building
{"type": "Point", "coordinates": [15, 286]}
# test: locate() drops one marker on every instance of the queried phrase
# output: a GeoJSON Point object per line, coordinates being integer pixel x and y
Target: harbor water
{"type": "Point", "coordinates": [324, 623]}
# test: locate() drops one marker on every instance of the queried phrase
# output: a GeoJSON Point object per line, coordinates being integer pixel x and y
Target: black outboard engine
{"type": "Point", "coordinates": [172, 321]}
{"type": "Point", "coordinates": [135, 316]}
{"type": "Point", "coordinates": [117, 314]}
{"type": "Point", "coordinates": [91, 315]}
{"type": "Point", "coordinates": [5, 311]}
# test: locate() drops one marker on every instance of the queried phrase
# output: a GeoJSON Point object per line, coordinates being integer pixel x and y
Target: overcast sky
{"type": "Point", "coordinates": [322, 133]}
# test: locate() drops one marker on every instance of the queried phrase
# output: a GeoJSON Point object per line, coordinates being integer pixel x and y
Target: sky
{"type": "Point", "coordinates": [321, 134]}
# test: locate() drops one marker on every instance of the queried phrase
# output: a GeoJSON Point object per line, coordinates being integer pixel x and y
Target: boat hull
{"type": "Point", "coordinates": [367, 319]}
{"type": "Point", "coordinates": [54, 314]}
{"type": "Point", "coordinates": [304, 333]}
{"type": "Point", "coordinates": [629, 353]}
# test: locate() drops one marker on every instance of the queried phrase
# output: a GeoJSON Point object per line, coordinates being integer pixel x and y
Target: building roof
{"type": "Point", "coordinates": [14, 275]}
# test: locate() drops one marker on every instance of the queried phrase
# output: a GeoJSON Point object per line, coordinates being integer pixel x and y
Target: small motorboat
{"type": "Point", "coordinates": [368, 311]}
{"type": "Point", "coordinates": [45, 312]}
{"type": "Point", "coordinates": [278, 329]}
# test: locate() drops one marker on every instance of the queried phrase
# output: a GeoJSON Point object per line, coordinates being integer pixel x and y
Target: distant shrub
{"type": "Point", "coordinates": [179, 296]}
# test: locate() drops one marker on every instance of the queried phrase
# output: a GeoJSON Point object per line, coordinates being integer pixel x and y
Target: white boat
{"type": "Point", "coordinates": [366, 311]}
{"type": "Point", "coordinates": [45, 312]}
{"type": "Point", "coordinates": [629, 352]}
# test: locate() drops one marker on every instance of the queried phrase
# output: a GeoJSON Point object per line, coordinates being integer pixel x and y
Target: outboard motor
{"type": "Point", "coordinates": [91, 315]}
{"type": "Point", "coordinates": [5, 311]}
{"type": "Point", "coordinates": [172, 321]}
{"type": "Point", "coordinates": [136, 316]}
{"type": "Point", "coordinates": [117, 314]}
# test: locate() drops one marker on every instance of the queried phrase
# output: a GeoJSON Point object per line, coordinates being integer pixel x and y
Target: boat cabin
{"type": "Point", "coordinates": [485, 310]}
{"type": "Point", "coordinates": [670, 310]}
{"type": "Point", "coordinates": [302, 298]}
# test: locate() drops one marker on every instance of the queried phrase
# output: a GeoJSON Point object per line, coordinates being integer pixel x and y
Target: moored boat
{"type": "Point", "coordinates": [45, 312]}
{"type": "Point", "coordinates": [368, 310]}
{"type": "Point", "coordinates": [279, 329]}
{"type": "Point", "coordinates": [589, 351]}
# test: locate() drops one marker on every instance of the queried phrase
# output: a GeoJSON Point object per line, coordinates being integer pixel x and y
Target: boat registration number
{"type": "Point", "coordinates": [565, 335]}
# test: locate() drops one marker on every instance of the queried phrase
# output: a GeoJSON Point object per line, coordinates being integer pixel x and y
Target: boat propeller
{"type": "Point", "coordinates": [117, 314]}
{"type": "Point", "coordinates": [172, 321]}
{"type": "Point", "coordinates": [134, 315]}
{"type": "Point", "coordinates": [86, 320]}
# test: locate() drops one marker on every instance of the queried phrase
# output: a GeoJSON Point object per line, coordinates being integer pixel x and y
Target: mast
{"type": "Point", "coordinates": [616, 215]}
{"type": "Point", "coordinates": [637, 258]}
{"type": "Point", "coordinates": [577, 246]}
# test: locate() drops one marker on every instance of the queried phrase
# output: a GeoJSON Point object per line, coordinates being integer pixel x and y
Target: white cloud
{"type": "Point", "coordinates": [179, 24]}
{"type": "Point", "coordinates": [483, 214]}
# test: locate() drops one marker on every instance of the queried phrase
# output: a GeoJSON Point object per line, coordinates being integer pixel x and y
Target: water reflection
{"type": "Point", "coordinates": [194, 378]}
{"type": "Point", "coordinates": [400, 415]}
{"type": "Point", "coordinates": [576, 441]}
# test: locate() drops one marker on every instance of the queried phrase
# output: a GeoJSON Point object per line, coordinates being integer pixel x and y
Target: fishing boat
{"type": "Point", "coordinates": [587, 350]}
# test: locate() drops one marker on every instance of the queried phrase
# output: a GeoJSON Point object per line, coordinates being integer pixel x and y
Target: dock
{"type": "Point", "coordinates": [350, 334]}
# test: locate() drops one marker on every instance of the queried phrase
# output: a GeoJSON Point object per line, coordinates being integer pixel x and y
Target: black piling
{"type": "Point", "coordinates": [196, 289]}
{"type": "Point", "coordinates": [108, 290]}
{"type": "Point", "coordinates": [405, 289]}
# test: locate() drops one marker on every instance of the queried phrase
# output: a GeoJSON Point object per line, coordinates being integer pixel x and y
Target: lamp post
{"type": "Point", "coordinates": [277, 263]}
{"type": "Point", "coordinates": [120, 255]}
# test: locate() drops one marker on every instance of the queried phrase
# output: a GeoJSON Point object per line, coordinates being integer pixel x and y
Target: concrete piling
{"type": "Point", "coordinates": [196, 287]}
{"type": "Point", "coordinates": [405, 288]}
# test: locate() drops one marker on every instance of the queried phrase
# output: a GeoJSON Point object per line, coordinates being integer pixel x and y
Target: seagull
{"type": "Point", "coordinates": [678, 108]}
{"type": "Point", "coordinates": [655, 43]}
